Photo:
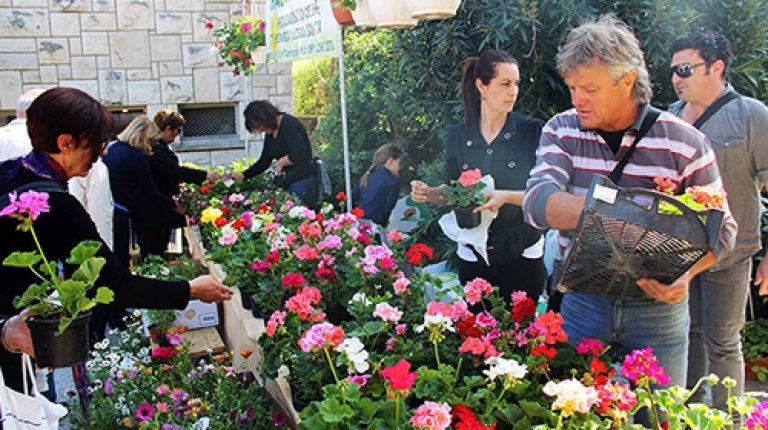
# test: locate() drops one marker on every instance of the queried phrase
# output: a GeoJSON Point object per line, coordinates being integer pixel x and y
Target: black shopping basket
{"type": "Point", "coordinates": [621, 237]}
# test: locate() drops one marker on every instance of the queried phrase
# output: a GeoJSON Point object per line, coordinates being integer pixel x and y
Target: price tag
{"type": "Point", "coordinates": [605, 194]}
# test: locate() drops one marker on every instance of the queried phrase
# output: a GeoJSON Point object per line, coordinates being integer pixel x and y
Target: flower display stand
{"type": "Point", "coordinates": [242, 331]}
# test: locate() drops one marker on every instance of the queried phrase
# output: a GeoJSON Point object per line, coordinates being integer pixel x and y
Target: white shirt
{"type": "Point", "coordinates": [14, 140]}
{"type": "Point", "coordinates": [94, 193]}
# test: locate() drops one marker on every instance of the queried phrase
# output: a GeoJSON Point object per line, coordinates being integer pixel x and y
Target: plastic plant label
{"type": "Point", "coordinates": [605, 194]}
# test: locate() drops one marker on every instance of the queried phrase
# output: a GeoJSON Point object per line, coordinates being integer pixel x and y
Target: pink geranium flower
{"type": "Point", "coordinates": [476, 289]}
{"type": "Point", "coordinates": [387, 313]}
{"type": "Point", "coordinates": [432, 416]}
{"type": "Point", "coordinates": [642, 366]}
{"type": "Point", "coordinates": [470, 177]}
{"type": "Point", "coordinates": [29, 205]}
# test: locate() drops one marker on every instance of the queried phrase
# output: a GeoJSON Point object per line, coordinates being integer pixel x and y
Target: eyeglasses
{"type": "Point", "coordinates": [685, 70]}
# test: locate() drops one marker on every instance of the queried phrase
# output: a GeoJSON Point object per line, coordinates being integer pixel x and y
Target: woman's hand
{"type": "Point", "coordinates": [235, 176]}
{"type": "Point", "coordinates": [17, 336]}
{"type": "Point", "coordinates": [208, 289]}
{"type": "Point", "coordinates": [281, 163]}
{"type": "Point", "coordinates": [761, 275]}
{"type": "Point", "coordinates": [499, 198]}
{"type": "Point", "coordinates": [423, 193]}
{"type": "Point", "coordinates": [672, 293]}
{"type": "Point", "coordinates": [212, 176]}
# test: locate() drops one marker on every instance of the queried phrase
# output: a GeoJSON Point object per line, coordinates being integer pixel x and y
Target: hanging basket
{"type": "Point", "coordinates": [259, 55]}
{"type": "Point", "coordinates": [343, 15]}
{"type": "Point", "coordinates": [53, 350]}
{"type": "Point", "coordinates": [432, 9]}
{"type": "Point", "coordinates": [393, 14]}
{"type": "Point", "coordinates": [362, 14]}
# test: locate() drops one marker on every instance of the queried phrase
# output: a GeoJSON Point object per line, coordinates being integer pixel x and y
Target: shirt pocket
{"type": "Point", "coordinates": [731, 152]}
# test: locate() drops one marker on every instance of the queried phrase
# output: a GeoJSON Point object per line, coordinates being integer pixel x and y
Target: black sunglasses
{"type": "Point", "coordinates": [685, 70]}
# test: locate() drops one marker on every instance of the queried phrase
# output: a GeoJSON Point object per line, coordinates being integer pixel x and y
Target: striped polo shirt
{"type": "Point", "coordinates": [568, 156]}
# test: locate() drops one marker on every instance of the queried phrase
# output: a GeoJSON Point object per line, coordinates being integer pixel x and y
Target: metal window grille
{"type": "Point", "coordinates": [209, 121]}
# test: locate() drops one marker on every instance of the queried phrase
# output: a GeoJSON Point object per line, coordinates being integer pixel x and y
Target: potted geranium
{"type": "Point", "coordinates": [464, 195]}
{"type": "Point", "coordinates": [241, 43]}
{"type": "Point", "coordinates": [60, 307]}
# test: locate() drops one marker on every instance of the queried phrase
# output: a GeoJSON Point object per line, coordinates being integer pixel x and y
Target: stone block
{"type": "Point", "coordinates": [129, 49]}
{"type": "Point", "coordinates": [143, 92]}
{"type": "Point", "coordinates": [112, 87]}
{"type": "Point", "coordinates": [10, 89]}
{"type": "Point", "coordinates": [279, 68]}
{"type": "Point", "coordinates": [232, 87]}
{"type": "Point", "coordinates": [70, 5]}
{"type": "Point", "coordinates": [199, 55]}
{"type": "Point", "coordinates": [177, 89]}
{"type": "Point", "coordinates": [48, 74]}
{"type": "Point", "coordinates": [135, 15]}
{"type": "Point", "coordinates": [171, 68]}
{"type": "Point", "coordinates": [284, 103]}
{"type": "Point", "coordinates": [225, 157]}
{"type": "Point", "coordinates": [18, 44]}
{"type": "Point", "coordinates": [174, 23]}
{"type": "Point", "coordinates": [30, 76]}
{"type": "Point", "coordinates": [83, 67]}
{"type": "Point", "coordinates": [24, 23]}
{"type": "Point", "coordinates": [139, 74]}
{"type": "Point", "coordinates": [216, 6]}
{"type": "Point", "coordinates": [188, 5]}
{"type": "Point", "coordinates": [65, 72]}
{"type": "Point", "coordinates": [98, 21]}
{"type": "Point", "coordinates": [53, 51]}
{"type": "Point", "coordinates": [28, 3]}
{"type": "Point", "coordinates": [165, 48]}
{"type": "Point", "coordinates": [284, 84]}
{"type": "Point", "coordinates": [22, 61]}
{"type": "Point", "coordinates": [65, 24]}
{"type": "Point", "coordinates": [95, 43]}
{"type": "Point", "coordinates": [261, 93]}
{"type": "Point", "coordinates": [103, 62]}
{"type": "Point", "coordinates": [103, 5]}
{"type": "Point", "coordinates": [91, 87]}
{"type": "Point", "coordinates": [206, 84]}
{"type": "Point", "coordinates": [263, 80]}
{"type": "Point", "coordinates": [202, 34]}
{"type": "Point", "coordinates": [201, 158]}
{"type": "Point", "coordinates": [75, 46]}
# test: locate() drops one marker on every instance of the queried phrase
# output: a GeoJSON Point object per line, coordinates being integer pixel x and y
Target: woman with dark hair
{"type": "Point", "coordinates": [68, 129]}
{"type": "Point", "coordinates": [379, 186]}
{"type": "Point", "coordinates": [500, 143]}
{"type": "Point", "coordinates": [286, 141]}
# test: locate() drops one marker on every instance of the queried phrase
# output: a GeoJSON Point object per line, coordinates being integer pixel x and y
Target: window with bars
{"type": "Point", "coordinates": [208, 122]}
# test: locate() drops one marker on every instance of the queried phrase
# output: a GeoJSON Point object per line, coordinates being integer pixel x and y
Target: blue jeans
{"type": "Point", "coordinates": [718, 301]}
{"type": "Point", "coordinates": [306, 189]}
{"type": "Point", "coordinates": [632, 324]}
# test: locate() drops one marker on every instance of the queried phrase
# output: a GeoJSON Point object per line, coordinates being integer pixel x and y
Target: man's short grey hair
{"type": "Point", "coordinates": [611, 43]}
{"type": "Point", "coordinates": [25, 101]}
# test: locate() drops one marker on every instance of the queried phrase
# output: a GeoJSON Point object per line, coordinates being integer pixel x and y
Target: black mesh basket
{"type": "Point", "coordinates": [621, 237]}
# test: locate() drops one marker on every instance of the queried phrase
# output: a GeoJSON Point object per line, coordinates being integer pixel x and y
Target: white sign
{"type": "Point", "coordinates": [298, 29]}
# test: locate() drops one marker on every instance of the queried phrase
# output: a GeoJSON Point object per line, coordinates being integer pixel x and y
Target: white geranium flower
{"type": "Point", "coordinates": [438, 322]}
{"type": "Point", "coordinates": [355, 351]}
{"type": "Point", "coordinates": [508, 369]}
{"type": "Point", "coordinates": [360, 297]}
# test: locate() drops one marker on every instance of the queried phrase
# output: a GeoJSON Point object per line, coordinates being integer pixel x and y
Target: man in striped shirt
{"type": "Point", "coordinates": [610, 88]}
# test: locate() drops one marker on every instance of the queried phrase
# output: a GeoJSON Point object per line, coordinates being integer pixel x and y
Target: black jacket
{"type": "Point", "coordinates": [292, 140]}
{"type": "Point", "coordinates": [59, 230]}
{"type": "Point", "coordinates": [167, 172]}
{"type": "Point", "coordinates": [509, 159]}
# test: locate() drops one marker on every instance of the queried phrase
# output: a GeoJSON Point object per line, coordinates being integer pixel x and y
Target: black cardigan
{"type": "Point", "coordinates": [167, 172]}
{"type": "Point", "coordinates": [59, 230]}
{"type": "Point", "coordinates": [292, 140]}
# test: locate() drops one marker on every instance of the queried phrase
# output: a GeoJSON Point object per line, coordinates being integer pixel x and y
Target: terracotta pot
{"type": "Point", "coordinates": [432, 9]}
{"type": "Point", "coordinates": [750, 374]}
{"type": "Point", "coordinates": [343, 15]}
{"type": "Point", "coordinates": [362, 14]}
{"type": "Point", "coordinates": [392, 14]}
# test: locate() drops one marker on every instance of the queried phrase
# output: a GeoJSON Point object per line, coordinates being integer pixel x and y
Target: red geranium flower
{"type": "Point", "coordinates": [294, 280]}
{"type": "Point", "coordinates": [523, 310]}
{"type": "Point", "coordinates": [398, 376]}
{"type": "Point", "coordinates": [465, 419]}
{"type": "Point", "coordinates": [419, 253]}
{"type": "Point", "coordinates": [163, 352]}
{"type": "Point", "coordinates": [221, 221]}
{"type": "Point", "coordinates": [341, 195]}
{"type": "Point", "coordinates": [272, 257]}
{"type": "Point", "coordinates": [358, 212]}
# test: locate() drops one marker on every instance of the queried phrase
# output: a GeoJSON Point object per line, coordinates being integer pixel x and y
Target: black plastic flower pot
{"type": "Point", "coordinates": [466, 218]}
{"type": "Point", "coordinates": [52, 350]}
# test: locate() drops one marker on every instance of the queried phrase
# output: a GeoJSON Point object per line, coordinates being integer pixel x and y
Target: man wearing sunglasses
{"type": "Point", "coordinates": [737, 128]}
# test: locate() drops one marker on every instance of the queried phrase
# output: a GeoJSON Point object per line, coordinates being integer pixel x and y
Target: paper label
{"type": "Point", "coordinates": [605, 194]}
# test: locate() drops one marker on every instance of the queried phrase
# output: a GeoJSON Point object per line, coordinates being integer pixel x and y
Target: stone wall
{"type": "Point", "coordinates": [150, 54]}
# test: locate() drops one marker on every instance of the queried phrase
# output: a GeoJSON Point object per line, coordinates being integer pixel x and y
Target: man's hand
{"type": "Point", "coordinates": [499, 198]}
{"type": "Point", "coordinates": [761, 276]}
{"type": "Point", "coordinates": [423, 193]}
{"type": "Point", "coordinates": [17, 334]}
{"type": "Point", "coordinates": [672, 293]}
{"type": "Point", "coordinates": [208, 289]}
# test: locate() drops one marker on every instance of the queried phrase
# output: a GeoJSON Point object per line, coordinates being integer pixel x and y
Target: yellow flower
{"type": "Point", "coordinates": [211, 214]}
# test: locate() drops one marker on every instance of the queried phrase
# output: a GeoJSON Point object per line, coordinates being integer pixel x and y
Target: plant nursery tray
{"type": "Point", "coordinates": [622, 236]}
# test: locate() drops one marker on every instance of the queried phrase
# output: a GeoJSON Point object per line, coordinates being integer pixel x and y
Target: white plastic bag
{"type": "Point", "coordinates": [28, 410]}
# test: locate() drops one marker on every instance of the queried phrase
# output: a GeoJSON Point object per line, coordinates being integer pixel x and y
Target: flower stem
{"type": "Point", "coordinates": [54, 278]}
{"type": "Point", "coordinates": [498, 399]}
{"type": "Point", "coordinates": [458, 369]}
{"type": "Point", "coordinates": [330, 363]}
{"type": "Point", "coordinates": [559, 421]}
{"type": "Point", "coordinates": [437, 355]}
{"type": "Point", "coordinates": [397, 412]}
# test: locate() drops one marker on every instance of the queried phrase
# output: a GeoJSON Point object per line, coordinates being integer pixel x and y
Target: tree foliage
{"type": "Point", "coordinates": [403, 86]}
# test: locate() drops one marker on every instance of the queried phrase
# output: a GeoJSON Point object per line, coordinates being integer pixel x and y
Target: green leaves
{"type": "Point", "coordinates": [22, 259]}
{"type": "Point", "coordinates": [83, 251]}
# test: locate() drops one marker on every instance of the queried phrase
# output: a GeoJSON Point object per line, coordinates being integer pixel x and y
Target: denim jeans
{"type": "Point", "coordinates": [306, 189]}
{"type": "Point", "coordinates": [717, 302]}
{"type": "Point", "coordinates": [631, 324]}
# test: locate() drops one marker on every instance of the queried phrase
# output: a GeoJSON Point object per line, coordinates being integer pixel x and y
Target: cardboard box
{"type": "Point", "coordinates": [198, 314]}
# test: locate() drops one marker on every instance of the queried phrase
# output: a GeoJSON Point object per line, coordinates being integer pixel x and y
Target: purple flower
{"type": "Point", "coordinates": [30, 204]}
{"type": "Point", "coordinates": [109, 387]}
{"type": "Point", "coordinates": [246, 27]}
{"type": "Point", "coordinates": [145, 412]}
{"type": "Point", "coordinates": [758, 416]}
{"type": "Point", "coordinates": [262, 25]}
{"type": "Point", "coordinates": [174, 339]}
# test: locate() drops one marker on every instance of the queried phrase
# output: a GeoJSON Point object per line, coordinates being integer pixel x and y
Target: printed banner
{"type": "Point", "coordinates": [298, 29]}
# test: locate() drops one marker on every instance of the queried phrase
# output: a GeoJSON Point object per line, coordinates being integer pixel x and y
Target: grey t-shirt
{"type": "Point", "coordinates": [738, 133]}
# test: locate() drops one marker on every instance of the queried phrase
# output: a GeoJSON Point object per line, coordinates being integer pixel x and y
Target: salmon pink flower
{"type": "Point", "coordinates": [432, 416]}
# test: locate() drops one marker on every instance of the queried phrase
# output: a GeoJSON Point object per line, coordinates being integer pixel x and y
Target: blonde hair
{"type": "Point", "coordinates": [380, 157]}
{"type": "Point", "coordinates": [140, 134]}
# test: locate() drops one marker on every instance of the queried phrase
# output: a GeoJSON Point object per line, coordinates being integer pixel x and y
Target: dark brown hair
{"type": "Point", "coordinates": [380, 157]}
{"type": "Point", "coordinates": [261, 113]}
{"type": "Point", "coordinates": [167, 118]}
{"type": "Point", "coordinates": [483, 68]}
{"type": "Point", "coordinates": [68, 111]}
